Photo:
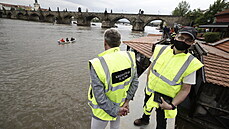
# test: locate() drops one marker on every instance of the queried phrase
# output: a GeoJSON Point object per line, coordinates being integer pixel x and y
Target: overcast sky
{"type": "Point", "coordinates": [163, 7]}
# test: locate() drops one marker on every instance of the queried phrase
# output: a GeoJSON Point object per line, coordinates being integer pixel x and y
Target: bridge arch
{"type": "Point", "coordinates": [20, 15]}
{"type": "Point", "coordinates": [119, 18]}
{"type": "Point", "coordinates": [67, 19]}
{"type": "Point", "coordinates": [94, 21]}
{"type": "Point", "coordinates": [89, 18]}
{"type": "Point", "coordinates": [121, 21]}
{"type": "Point", "coordinates": [9, 15]}
{"type": "Point", "coordinates": [49, 18]}
{"type": "Point", "coordinates": [34, 17]}
{"type": "Point", "coordinates": [149, 21]}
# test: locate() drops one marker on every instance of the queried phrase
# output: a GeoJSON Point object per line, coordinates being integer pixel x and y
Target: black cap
{"type": "Point", "coordinates": [189, 30]}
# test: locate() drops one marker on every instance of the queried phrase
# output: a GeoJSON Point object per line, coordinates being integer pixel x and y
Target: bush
{"type": "Point", "coordinates": [211, 37]}
{"type": "Point", "coordinates": [200, 30]}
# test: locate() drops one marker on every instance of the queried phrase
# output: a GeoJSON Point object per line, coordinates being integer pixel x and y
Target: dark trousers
{"type": "Point", "coordinates": [160, 115]}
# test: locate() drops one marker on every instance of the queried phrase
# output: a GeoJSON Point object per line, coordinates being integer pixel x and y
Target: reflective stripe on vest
{"type": "Point", "coordinates": [150, 90]}
{"type": "Point", "coordinates": [176, 78]}
{"type": "Point", "coordinates": [160, 52]}
{"type": "Point", "coordinates": [108, 77]}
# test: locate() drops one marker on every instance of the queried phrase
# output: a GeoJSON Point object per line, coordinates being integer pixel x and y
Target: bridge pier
{"type": "Point", "coordinates": [34, 18]}
{"type": "Point", "coordinates": [22, 17]}
{"type": "Point", "coordinates": [107, 24]}
{"type": "Point", "coordinates": [138, 26]}
{"type": "Point", "coordinates": [67, 21]}
{"type": "Point", "coordinates": [50, 19]}
{"type": "Point", "coordinates": [81, 21]}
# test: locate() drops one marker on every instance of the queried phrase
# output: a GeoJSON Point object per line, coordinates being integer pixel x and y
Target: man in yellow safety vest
{"type": "Point", "coordinates": [169, 78]}
{"type": "Point", "coordinates": [113, 82]}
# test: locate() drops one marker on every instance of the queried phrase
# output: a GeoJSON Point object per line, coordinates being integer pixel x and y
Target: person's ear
{"type": "Point", "coordinates": [105, 45]}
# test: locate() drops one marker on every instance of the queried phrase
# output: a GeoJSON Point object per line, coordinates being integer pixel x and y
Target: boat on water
{"type": "Point", "coordinates": [67, 41]}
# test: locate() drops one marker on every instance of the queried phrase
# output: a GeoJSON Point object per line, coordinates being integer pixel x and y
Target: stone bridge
{"type": "Point", "coordinates": [138, 21]}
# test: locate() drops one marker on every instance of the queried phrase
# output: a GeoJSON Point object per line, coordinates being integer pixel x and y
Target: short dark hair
{"type": "Point", "coordinates": [112, 37]}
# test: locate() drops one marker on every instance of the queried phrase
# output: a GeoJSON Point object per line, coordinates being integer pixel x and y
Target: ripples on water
{"type": "Point", "coordinates": [43, 84]}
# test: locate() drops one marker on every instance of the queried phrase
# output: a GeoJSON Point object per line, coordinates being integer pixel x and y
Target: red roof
{"type": "Point", "coordinates": [11, 5]}
{"type": "Point", "coordinates": [216, 66]}
{"type": "Point", "coordinates": [215, 63]}
{"type": "Point", "coordinates": [223, 46]}
{"type": "Point", "coordinates": [144, 44]}
{"type": "Point", "coordinates": [223, 12]}
{"type": "Point", "coordinates": [20, 6]}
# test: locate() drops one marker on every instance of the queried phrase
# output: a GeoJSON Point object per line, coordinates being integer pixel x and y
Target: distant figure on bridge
{"type": "Point", "coordinates": [79, 10]}
{"type": "Point", "coordinates": [142, 12]}
{"type": "Point", "coordinates": [139, 12]}
{"type": "Point", "coordinates": [105, 12]}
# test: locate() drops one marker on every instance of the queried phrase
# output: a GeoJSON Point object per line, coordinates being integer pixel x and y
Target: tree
{"type": "Point", "coordinates": [201, 18]}
{"type": "Point", "coordinates": [182, 8]}
{"type": "Point", "coordinates": [195, 16]}
{"type": "Point", "coordinates": [218, 6]}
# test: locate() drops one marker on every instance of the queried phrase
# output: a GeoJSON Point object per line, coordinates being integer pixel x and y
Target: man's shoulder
{"type": "Point", "coordinates": [94, 60]}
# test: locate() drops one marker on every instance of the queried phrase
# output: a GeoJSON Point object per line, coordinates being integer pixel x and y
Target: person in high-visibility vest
{"type": "Point", "coordinates": [169, 78]}
{"type": "Point", "coordinates": [113, 82]}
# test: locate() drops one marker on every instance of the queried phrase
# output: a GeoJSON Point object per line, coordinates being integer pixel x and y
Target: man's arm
{"type": "Point", "coordinates": [131, 91]}
{"type": "Point", "coordinates": [149, 68]}
{"type": "Point", "coordinates": [182, 94]}
{"type": "Point", "coordinates": [133, 86]}
{"type": "Point", "coordinates": [103, 101]}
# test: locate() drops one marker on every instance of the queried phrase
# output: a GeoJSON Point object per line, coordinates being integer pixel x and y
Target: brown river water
{"type": "Point", "coordinates": [44, 85]}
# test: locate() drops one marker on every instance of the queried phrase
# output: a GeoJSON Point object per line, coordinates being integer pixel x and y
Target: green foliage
{"type": "Point", "coordinates": [211, 37]}
{"type": "Point", "coordinates": [200, 17]}
{"type": "Point", "coordinates": [196, 16]}
{"type": "Point", "coordinates": [218, 6]}
{"type": "Point", "coordinates": [182, 8]}
{"type": "Point", "coordinates": [200, 30]}
{"type": "Point", "coordinates": [21, 8]}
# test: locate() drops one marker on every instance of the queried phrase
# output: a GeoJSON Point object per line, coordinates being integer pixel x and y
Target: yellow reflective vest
{"type": "Point", "coordinates": [114, 68]}
{"type": "Point", "coordinates": [166, 75]}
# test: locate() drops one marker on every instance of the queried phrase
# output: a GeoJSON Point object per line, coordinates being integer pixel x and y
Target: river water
{"type": "Point", "coordinates": [43, 84]}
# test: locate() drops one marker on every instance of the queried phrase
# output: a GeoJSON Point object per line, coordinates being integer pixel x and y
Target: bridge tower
{"type": "Point", "coordinates": [36, 5]}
